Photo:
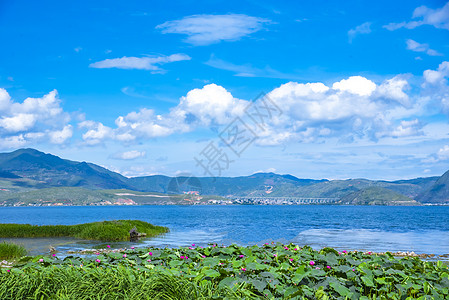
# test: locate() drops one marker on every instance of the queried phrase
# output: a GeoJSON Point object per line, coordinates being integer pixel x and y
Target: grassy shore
{"type": "Point", "coordinates": [10, 250]}
{"type": "Point", "coordinates": [102, 231]}
{"type": "Point", "coordinates": [274, 271]}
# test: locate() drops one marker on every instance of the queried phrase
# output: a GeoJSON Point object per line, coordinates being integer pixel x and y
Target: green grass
{"type": "Point", "coordinates": [10, 250]}
{"type": "Point", "coordinates": [274, 271]}
{"type": "Point", "coordinates": [102, 231]}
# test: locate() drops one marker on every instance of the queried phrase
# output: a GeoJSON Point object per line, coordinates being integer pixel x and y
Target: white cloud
{"type": "Point", "coordinates": [394, 89]}
{"type": "Point", "coordinates": [357, 85]}
{"type": "Point", "coordinates": [437, 76]}
{"type": "Point", "coordinates": [150, 63]}
{"type": "Point", "coordinates": [436, 85]}
{"type": "Point", "coordinates": [97, 133]}
{"type": "Point", "coordinates": [61, 136]}
{"type": "Point", "coordinates": [18, 122]}
{"type": "Point", "coordinates": [129, 155]}
{"type": "Point", "coordinates": [349, 110]}
{"type": "Point", "coordinates": [210, 104]}
{"type": "Point", "coordinates": [417, 47]}
{"type": "Point", "coordinates": [210, 29]}
{"type": "Point", "coordinates": [15, 141]}
{"type": "Point", "coordinates": [5, 100]}
{"type": "Point", "coordinates": [439, 18]}
{"type": "Point", "coordinates": [364, 28]}
{"type": "Point", "coordinates": [443, 153]}
{"type": "Point", "coordinates": [35, 119]}
{"type": "Point", "coordinates": [407, 128]}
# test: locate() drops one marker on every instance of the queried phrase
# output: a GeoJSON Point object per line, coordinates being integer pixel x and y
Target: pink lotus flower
{"type": "Point", "coordinates": [186, 257]}
{"type": "Point", "coordinates": [8, 271]}
{"type": "Point", "coordinates": [150, 253]}
{"type": "Point", "coordinates": [148, 260]}
{"type": "Point", "coordinates": [286, 248]}
{"type": "Point", "coordinates": [182, 257]}
{"type": "Point", "coordinates": [275, 255]}
{"type": "Point", "coordinates": [54, 255]}
{"type": "Point", "coordinates": [344, 251]}
{"type": "Point", "coordinates": [241, 255]}
{"type": "Point", "coordinates": [243, 269]}
{"type": "Point", "coordinates": [41, 260]}
{"type": "Point", "coordinates": [203, 256]}
{"type": "Point", "coordinates": [291, 259]}
{"type": "Point", "coordinates": [97, 260]}
{"type": "Point", "coordinates": [132, 248]}
{"type": "Point", "coordinates": [296, 249]}
{"type": "Point", "coordinates": [317, 268]}
{"type": "Point", "coordinates": [311, 263]}
{"type": "Point", "coordinates": [108, 246]}
{"type": "Point", "coordinates": [328, 267]}
{"type": "Point", "coordinates": [190, 248]}
{"type": "Point", "coordinates": [370, 253]}
{"type": "Point", "coordinates": [353, 270]}
{"type": "Point", "coordinates": [193, 245]}
{"type": "Point", "coordinates": [124, 255]}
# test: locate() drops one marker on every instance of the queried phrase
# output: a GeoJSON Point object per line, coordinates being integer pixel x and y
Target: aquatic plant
{"type": "Point", "coordinates": [11, 250]}
{"type": "Point", "coordinates": [220, 272]}
{"type": "Point", "coordinates": [102, 231]}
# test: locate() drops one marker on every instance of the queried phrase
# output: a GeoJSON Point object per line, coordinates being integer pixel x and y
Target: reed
{"type": "Point", "coordinates": [10, 250]}
{"type": "Point", "coordinates": [102, 231]}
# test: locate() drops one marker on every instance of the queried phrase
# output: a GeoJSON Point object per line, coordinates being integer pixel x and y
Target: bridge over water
{"type": "Point", "coordinates": [285, 200]}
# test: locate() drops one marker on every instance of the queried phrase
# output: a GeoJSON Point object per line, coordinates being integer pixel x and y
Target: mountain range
{"type": "Point", "coordinates": [27, 170]}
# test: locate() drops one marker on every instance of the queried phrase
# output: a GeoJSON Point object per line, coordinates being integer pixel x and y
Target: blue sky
{"type": "Point", "coordinates": [149, 87]}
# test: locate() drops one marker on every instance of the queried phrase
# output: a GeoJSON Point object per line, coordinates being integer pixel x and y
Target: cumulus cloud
{"type": "Point", "coordinates": [150, 63]}
{"type": "Point", "coordinates": [210, 29]}
{"type": "Point", "coordinates": [438, 76]}
{"type": "Point", "coordinates": [443, 153]}
{"type": "Point", "coordinates": [439, 18]}
{"type": "Point", "coordinates": [356, 85]}
{"type": "Point", "coordinates": [61, 136]}
{"type": "Point", "coordinates": [211, 104]}
{"type": "Point", "coordinates": [364, 28]}
{"type": "Point", "coordinates": [35, 119]}
{"type": "Point", "coordinates": [350, 109]}
{"type": "Point", "coordinates": [436, 86]}
{"type": "Point", "coordinates": [129, 155]}
{"type": "Point", "coordinates": [97, 132]}
{"type": "Point", "coordinates": [417, 47]}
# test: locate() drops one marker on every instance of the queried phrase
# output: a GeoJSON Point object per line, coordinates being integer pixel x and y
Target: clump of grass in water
{"type": "Point", "coordinates": [10, 250]}
{"type": "Point", "coordinates": [102, 231]}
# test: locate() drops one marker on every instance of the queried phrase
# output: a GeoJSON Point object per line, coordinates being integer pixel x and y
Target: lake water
{"type": "Point", "coordinates": [374, 228]}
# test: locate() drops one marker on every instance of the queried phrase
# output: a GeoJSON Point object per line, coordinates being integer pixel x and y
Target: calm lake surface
{"type": "Point", "coordinates": [374, 228]}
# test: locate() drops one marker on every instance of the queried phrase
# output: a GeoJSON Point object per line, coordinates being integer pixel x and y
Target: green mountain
{"type": "Point", "coordinates": [377, 196]}
{"type": "Point", "coordinates": [259, 184]}
{"type": "Point", "coordinates": [54, 171]}
{"type": "Point", "coordinates": [438, 193]}
{"type": "Point", "coordinates": [26, 170]}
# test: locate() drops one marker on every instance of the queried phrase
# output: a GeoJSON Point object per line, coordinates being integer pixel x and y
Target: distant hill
{"type": "Point", "coordinates": [25, 170]}
{"type": "Point", "coordinates": [54, 171]}
{"type": "Point", "coordinates": [377, 196]}
{"type": "Point", "coordinates": [438, 193]}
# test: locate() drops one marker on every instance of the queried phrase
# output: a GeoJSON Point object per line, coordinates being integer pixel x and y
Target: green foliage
{"type": "Point", "coordinates": [377, 196]}
{"type": "Point", "coordinates": [102, 231]}
{"type": "Point", "coordinates": [10, 250]}
{"type": "Point", "coordinates": [274, 271]}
